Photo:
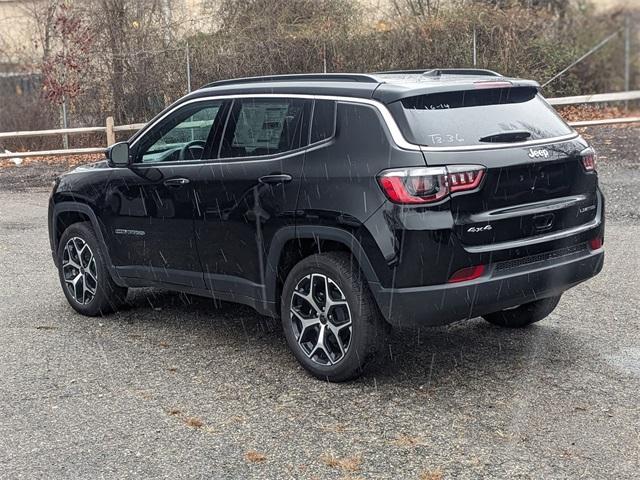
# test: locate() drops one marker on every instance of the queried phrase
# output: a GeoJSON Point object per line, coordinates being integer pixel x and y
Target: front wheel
{"type": "Point", "coordinates": [330, 319]}
{"type": "Point", "coordinates": [523, 315]}
{"type": "Point", "coordinates": [83, 273]}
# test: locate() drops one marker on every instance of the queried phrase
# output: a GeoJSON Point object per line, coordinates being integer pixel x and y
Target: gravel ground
{"type": "Point", "coordinates": [176, 386]}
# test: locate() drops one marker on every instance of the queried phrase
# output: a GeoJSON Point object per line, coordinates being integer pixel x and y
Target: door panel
{"type": "Point", "coordinates": [239, 216]}
{"type": "Point", "coordinates": [151, 206]}
{"type": "Point", "coordinates": [239, 213]}
{"type": "Point", "coordinates": [151, 225]}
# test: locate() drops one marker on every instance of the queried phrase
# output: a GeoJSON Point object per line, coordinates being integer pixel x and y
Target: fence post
{"type": "Point", "coordinates": [188, 69]}
{"type": "Point", "coordinates": [475, 46]}
{"type": "Point", "coordinates": [65, 124]}
{"type": "Point", "coordinates": [111, 134]}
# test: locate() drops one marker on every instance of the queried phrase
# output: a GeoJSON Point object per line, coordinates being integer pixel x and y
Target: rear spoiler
{"type": "Point", "coordinates": [392, 92]}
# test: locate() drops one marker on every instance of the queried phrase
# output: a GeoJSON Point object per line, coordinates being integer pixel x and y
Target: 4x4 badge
{"type": "Point", "coordinates": [479, 229]}
{"type": "Point", "coordinates": [541, 152]}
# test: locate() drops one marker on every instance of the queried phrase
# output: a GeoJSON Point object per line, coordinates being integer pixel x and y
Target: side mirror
{"type": "Point", "coordinates": [118, 155]}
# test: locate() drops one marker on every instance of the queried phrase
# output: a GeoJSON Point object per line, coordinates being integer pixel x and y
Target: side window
{"type": "Point", "coordinates": [185, 135]}
{"type": "Point", "coordinates": [265, 126]}
{"type": "Point", "coordinates": [323, 125]}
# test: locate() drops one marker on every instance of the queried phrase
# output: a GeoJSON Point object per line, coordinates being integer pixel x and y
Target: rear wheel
{"type": "Point", "coordinates": [329, 317]}
{"type": "Point", "coordinates": [523, 315]}
{"type": "Point", "coordinates": [83, 273]}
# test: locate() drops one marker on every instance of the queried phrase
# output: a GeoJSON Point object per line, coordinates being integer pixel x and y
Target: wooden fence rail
{"type": "Point", "coordinates": [596, 98]}
{"type": "Point", "coordinates": [110, 129]}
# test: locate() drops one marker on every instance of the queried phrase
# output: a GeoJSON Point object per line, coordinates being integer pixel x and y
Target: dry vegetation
{"type": "Point", "coordinates": [127, 58]}
{"type": "Point", "coordinates": [346, 464]}
{"type": "Point", "coordinates": [575, 113]}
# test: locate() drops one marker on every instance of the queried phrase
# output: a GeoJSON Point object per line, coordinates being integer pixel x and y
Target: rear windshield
{"type": "Point", "coordinates": [479, 117]}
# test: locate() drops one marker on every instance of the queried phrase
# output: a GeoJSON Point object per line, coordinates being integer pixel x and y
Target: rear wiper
{"type": "Point", "coordinates": [510, 136]}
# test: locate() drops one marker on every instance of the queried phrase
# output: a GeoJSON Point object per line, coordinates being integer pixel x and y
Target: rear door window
{"type": "Point", "coordinates": [266, 126]}
{"type": "Point", "coordinates": [479, 117]}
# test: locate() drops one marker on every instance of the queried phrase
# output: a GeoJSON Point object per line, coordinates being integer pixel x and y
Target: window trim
{"type": "Point", "coordinates": [335, 122]}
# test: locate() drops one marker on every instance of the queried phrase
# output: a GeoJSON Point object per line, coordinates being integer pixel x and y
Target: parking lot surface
{"type": "Point", "coordinates": [180, 387]}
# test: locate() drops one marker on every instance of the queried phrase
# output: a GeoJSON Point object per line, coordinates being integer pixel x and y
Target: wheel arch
{"type": "Point", "coordinates": [66, 214]}
{"type": "Point", "coordinates": [309, 240]}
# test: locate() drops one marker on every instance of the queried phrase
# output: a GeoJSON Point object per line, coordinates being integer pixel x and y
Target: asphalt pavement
{"type": "Point", "coordinates": [179, 387]}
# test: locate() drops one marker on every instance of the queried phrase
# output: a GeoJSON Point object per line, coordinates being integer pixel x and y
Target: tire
{"type": "Point", "coordinates": [523, 315]}
{"type": "Point", "coordinates": [346, 348]}
{"type": "Point", "coordinates": [94, 292]}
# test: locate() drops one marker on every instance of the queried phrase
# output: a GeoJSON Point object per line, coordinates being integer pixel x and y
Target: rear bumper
{"type": "Point", "coordinates": [496, 290]}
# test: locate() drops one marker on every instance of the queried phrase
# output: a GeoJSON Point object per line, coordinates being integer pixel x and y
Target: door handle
{"type": "Point", "coordinates": [176, 182]}
{"type": "Point", "coordinates": [275, 179]}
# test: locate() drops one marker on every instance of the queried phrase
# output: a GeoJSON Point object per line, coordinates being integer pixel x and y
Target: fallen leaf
{"type": "Point", "coordinates": [431, 475]}
{"type": "Point", "coordinates": [254, 457]}
{"type": "Point", "coordinates": [194, 422]}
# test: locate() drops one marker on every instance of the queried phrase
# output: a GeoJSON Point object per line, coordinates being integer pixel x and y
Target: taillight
{"type": "Point", "coordinates": [589, 159]}
{"type": "Point", "coordinates": [414, 185]}
{"type": "Point", "coordinates": [468, 273]}
{"type": "Point", "coordinates": [464, 177]}
{"type": "Point", "coordinates": [427, 185]}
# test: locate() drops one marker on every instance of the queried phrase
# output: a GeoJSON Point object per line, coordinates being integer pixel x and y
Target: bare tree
{"type": "Point", "coordinates": [42, 15]}
{"type": "Point", "coordinates": [136, 54]}
{"type": "Point", "coordinates": [416, 8]}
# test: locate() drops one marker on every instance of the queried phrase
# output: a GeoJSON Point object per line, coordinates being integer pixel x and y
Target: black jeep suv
{"type": "Point", "coordinates": [341, 203]}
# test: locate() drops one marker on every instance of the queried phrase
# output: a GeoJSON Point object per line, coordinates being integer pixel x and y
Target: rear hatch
{"type": "Point", "coordinates": [535, 181]}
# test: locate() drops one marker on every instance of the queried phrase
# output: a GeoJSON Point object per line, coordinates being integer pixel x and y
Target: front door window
{"type": "Point", "coordinates": [185, 136]}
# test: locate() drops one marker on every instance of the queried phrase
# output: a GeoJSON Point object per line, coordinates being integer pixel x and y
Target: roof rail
{"type": "Point", "coordinates": [436, 72]}
{"type": "Point", "coordinates": [298, 77]}
{"type": "Point", "coordinates": [400, 72]}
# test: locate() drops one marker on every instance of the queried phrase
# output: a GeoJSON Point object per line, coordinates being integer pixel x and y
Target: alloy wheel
{"type": "Point", "coordinates": [321, 319]}
{"type": "Point", "coordinates": [79, 270]}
